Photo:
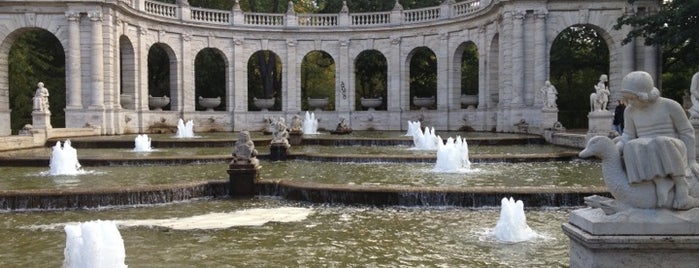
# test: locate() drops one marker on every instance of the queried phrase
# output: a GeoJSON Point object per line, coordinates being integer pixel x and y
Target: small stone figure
{"type": "Point", "coordinates": [296, 124]}
{"type": "Point", "coordinates": [41, 98]}
{"type": "Point", "coordinates": [244, 151]}
{"type": "Point", "coordinates": [694, 90]}
{"type": "Point", "coordinates": [549, 94]}
{"type": "Point", "coordinates": [599, 99]}
{"type": "Point", "coordinates": [342, 127]}
{"type": "Point", "coordinates": [280, 135]}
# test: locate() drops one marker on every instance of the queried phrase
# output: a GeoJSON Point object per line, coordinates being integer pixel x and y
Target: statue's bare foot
{"type": "Point", "coordinates": [685, 202]}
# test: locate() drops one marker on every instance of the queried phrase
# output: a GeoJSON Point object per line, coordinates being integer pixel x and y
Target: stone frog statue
{"type": "Point", "coordinates": [653, 164]}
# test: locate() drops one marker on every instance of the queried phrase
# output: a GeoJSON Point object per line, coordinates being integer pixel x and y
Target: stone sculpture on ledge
{"type": "Point", "coordinates": [243, 170]}
{"type": "Point", "coordinates": [244, 151]}
{"type": "Point", "coordinates": [651, 172]}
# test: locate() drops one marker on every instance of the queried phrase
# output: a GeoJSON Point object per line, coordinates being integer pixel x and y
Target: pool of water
{"type": "Point", "coordinates": [109, 153]}
{"type": "Point", "coordinates": [542, 174]}
{"type": "Point", "coordinates": [329, 236]}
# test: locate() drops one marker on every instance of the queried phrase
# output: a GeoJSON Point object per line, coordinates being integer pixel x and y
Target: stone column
{"type": "Point", "coordinates": [73, 69]}
{"type": "Point", "coordinates": [240, 85]}
{"type": "Point", "coordinates": [517, 83]}
{"type": "Point", "coordinates": [541, 57]}
{"type": "Point", "coordinates": [650, 62]}
{"type": "Point", "coordinates": [444, 88]}
{"type": "Point", "coordinates": [396, 98]}
{"type": "Point", "coordinates": [96, 62]}
{"type": "Point", "coordinates": [506, 90]}
{"type": "Point", "coordinates": [291, 97]}
{"type": "Point", "coordinates": [482, 68]}
{"type": "Point", "coordinates": [344, 97]}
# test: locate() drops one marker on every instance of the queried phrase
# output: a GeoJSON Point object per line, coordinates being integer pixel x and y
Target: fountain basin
{"type": "Point", "coordinates": [318, 103]}
{"type": "Point", "coordinates": [371, 103]}
{"type": "Point", "coordinates": [397, 237]}
{"type": "Point", "coordinates": [424, 102]}
{"type": "Point", "coordinates": [263, 104]}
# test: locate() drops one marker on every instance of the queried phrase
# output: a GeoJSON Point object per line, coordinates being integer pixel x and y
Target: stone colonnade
{"type": "Point", "coordinates": [107, 44]}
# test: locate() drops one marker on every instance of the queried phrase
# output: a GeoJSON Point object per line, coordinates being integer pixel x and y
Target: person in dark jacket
{"type": "Point", "coordinates": [619, 117]}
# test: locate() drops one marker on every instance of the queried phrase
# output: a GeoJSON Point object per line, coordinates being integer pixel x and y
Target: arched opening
{"type": "Point", "coordinates": [371, 80]}
{"type": "Point", "coordinates": [468, 68]}
{"type": "Point", "coordinates": [264, 81]}
{"type": "Point", "coordinates": [423, 79]}
{"type": "Point", "coordinates": [318, 81]}
{"type": "Point", "coordinates": [162, 77]}
{"type": "Point", "coordinates": [35, 56]}
{"type": "Point", "coordinates": [210, 80]}
{"type": "Point", "coordinates": [127, 73]}
{"type": "Point", "coordinates": [579, 55]}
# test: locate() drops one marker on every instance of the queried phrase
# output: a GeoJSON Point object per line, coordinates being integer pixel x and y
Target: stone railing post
{"type": "Point", "coordinates": [445, 9]}
{"type": "Point", "coordinates": [237, 14]}
{"type": "Point", "coordinates": [343, 18]}
{"type": "Point", "coordinates": [185, 13]}
{"type": "Point", "coordinates": [291, 19]}
{"type": "Point", "coordinates": [139, 5]}
{"type": "Point", "coordinates": [397, 14]}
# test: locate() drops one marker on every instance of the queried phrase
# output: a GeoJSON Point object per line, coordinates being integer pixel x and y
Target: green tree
{"type": "Point", "coordinates": [318, 78]}
{"type": "Point", "coordinates": [371, 72]}
{"type": "Point", "coordinates": [423, 73]}
{"type": "Point", "coordinates": [674, 28]}
{"type": "Point", "coordinates": [210, 76]}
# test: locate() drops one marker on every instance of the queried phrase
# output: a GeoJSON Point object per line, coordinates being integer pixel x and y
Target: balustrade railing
{"type": "Point", "coordinates": [373, 18]}
{"type": "Point", "coordinates": [211, 16]}
{"type": "Point", "coordinates": [161, 9]}
{"type": "Point", "coordinates": [237, 17]}
{"type": "Point", "coordinates": [264, 19]}
{"type": "Point", "coordinates": [421, 15]}
{"type": "Point", "coordinates": [317, 20]}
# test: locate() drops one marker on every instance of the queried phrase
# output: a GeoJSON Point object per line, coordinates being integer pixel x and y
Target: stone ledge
{"type": "Point", "coordinates": [637, 222]}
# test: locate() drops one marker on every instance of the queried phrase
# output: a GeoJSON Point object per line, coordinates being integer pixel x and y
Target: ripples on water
{"type": "Point", "coordinates": [335, 236]}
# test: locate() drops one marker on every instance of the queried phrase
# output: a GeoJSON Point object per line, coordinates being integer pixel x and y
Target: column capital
{"type": "Point", "coordinates": [95, 16]}
{"type": "Point", "coordinates": [73, 15]}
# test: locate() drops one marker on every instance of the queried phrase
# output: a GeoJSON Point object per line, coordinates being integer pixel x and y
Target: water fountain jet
{"type": "Point", "coordinates": [512, 226]}
{"type": "Point", "coordinates": [185, 130]}
{"type": "Point", "coordinates": [94, 244]}
{"type": "Point", "coordinates": [452, 156]}
{"type": "Point", "coordinates": [427, 140]}
{"type": "Point", "coordinates": [310, 124]}
{"type": "Point", "coordinates": [64, 160]}
{"type": "Point", "coordinates": [142, 143]}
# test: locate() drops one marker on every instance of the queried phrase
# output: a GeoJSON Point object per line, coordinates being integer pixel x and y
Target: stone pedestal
{"type": "Point", "coordinates": [549, 117]}
{"type": "Point", "coordinates": [633, 238]}
{"type": "Point", "coordinates": [241, 179]}
{"type": "Point", "coordinates": [41, 120]}
{"type": "Point", "coordinates": [295, 137]}
{"type": "Point", "coordinates": [599, 123]}
{"type": "Point", "coordinates": [278, 151]}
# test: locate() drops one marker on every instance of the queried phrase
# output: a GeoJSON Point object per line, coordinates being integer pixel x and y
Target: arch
{"type": "Point", "coordinates": [264, 80]}
{"type": "Point", "coordinates": [578, 55]}
{"type": "Point", "coordinates": [371, 78]}
{"type": "Point", "coordinates": [162, 74]}
{"type": "Point", "coordinates": [466, 71]}
{"type": "Point", "coordinates": [422, 80]}
{"type": "Point", "coordinates": [127, 73]}
{"type": "Point", "coordinates": [210, 66]}
{"type": "Point", "coordinates": [318, 79]}
{"type": "Point", "coordinates": [43, 61]}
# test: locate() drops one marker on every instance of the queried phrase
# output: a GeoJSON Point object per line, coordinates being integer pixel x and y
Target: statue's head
{"type": "Point", "coordinates": [40, 84]}
{"type": "Point", "coordinates": [244, 136]}
{"type": "Point", "coordinates": [603, 78]}
{"type": "Point", "coordinates": [640, 83]}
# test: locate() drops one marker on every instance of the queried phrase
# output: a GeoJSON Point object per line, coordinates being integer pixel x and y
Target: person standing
{"type": "Point", "coordinates": [619, 117]}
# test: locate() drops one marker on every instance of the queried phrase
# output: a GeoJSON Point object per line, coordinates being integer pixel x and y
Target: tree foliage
{"type": "Point", "coordinates": [318, 78]}
{"type": "Point", "coordinates": [210, 76]}
{"type": "Point", "coordinates": [370, 76]}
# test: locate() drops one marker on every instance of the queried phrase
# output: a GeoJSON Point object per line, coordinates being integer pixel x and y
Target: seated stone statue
{"type": "Point", "coordinates": [244, 151]}
{"type": "Point", "coordinates": [296, 124]}
{"type": "Point", "coordinates": [658, 141]}
{"type": "Point", "coordinates": [280, 135]}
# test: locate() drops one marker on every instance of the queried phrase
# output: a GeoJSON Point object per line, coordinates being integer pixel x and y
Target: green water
{"type": "Point", "coordinates": [330, 236]}
{"type": "Point", "coordinates": [541, 174]}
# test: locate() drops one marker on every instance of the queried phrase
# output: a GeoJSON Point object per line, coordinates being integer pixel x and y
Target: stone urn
{"type": "Point", "coordinates": [423, 103]}
{"type": "Point", "coordinates": [209, 103]}
{"type": "Point", "coordinates": [157, 103]}
{"type": "Point", "coordinates": [263, 104]}
{"type": "Point", "coordinates": [371, 103]}
{"type": "Point", "coordinates": [469, 100]}
{"type": "Point", "coordinates": [126, 101]}
{"type": "Point", "coordinates": [318, 103]}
